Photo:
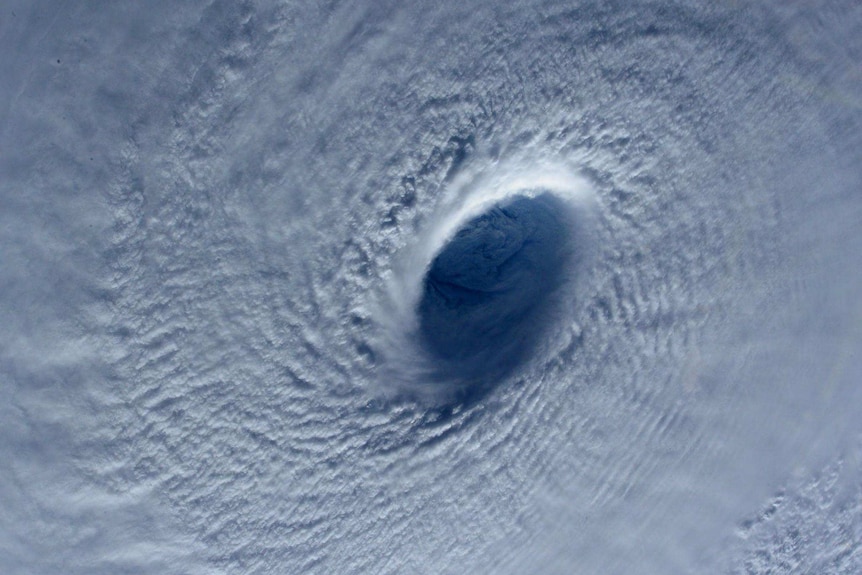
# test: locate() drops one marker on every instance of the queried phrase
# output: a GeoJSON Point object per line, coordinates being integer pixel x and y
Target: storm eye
{"type": "Point", "coordinates": [487, 294]}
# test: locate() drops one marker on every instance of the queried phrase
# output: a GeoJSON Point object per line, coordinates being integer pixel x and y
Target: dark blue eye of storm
{"type": "Point", "coordinates": [487, 295]}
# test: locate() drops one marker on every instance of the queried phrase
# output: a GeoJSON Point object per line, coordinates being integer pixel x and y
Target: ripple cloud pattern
{"type": "Point", "coordinates": [430, 287]}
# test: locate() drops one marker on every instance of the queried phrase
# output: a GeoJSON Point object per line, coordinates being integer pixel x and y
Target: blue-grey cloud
{"type": "Point", "coordinates": [245, 248]}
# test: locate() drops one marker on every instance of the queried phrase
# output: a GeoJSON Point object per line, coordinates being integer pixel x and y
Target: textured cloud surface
{"type": "Point", "coordinates": [233, 239]}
